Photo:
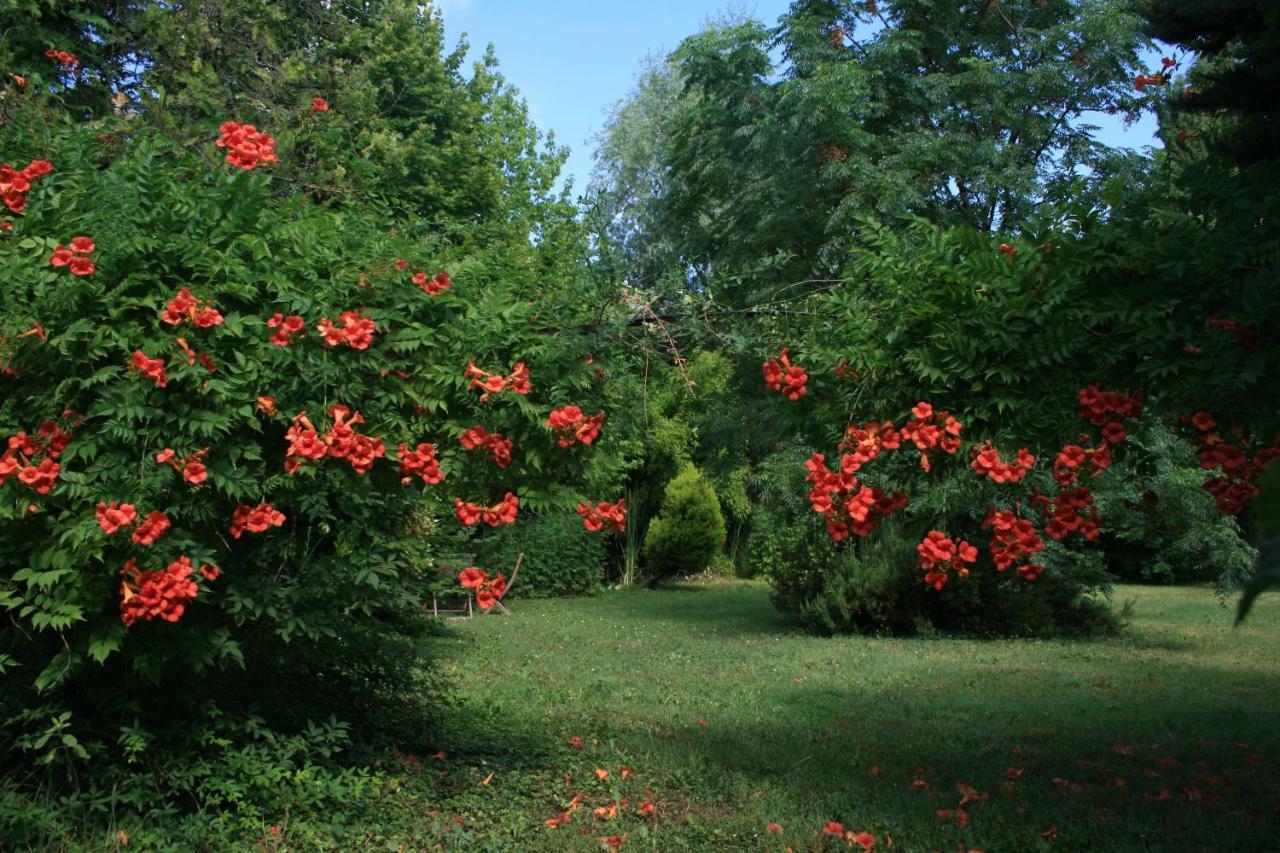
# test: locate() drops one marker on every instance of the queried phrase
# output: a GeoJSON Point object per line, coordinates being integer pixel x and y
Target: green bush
{"type": "Point", "coordinates": [687, 534]}
{"type": "Point", "coordinates": [1161, 525]}
{"type": "Point", "coordinates": [560, 556]}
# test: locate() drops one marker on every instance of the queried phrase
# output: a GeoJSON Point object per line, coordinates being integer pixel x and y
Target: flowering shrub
{"type": "Point", "coordinates": [213, 446]}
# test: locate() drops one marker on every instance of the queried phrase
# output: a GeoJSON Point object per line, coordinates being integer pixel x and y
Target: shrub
{"type": "Point", "coordinates": [146, 378]}
{"type": "Point", "coordinates": [687, 534]}
{"type": "Point", "coordinates": [874, 584]}
{"type": "Point", "coordinates": [1162, 525]}
{"type": "Point", "coordinates": [560, 556]}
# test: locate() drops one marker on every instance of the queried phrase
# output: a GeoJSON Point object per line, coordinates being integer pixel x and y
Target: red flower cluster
{"type": "Point", "coordinates": [1102, 408]}
{"type": "Point", "coordinates": [863, 443]}
{"type": "Point", "coordinates": [604, 515]}
{"type": "Point", "coordinates": [155, 525]}
{"type": "Point", "coordinates": [165, 594]}
{"type": "Point", "coordinates": [112, 516]}
{"type": "Point", "coordinates": [152, 368]}
{"type": "Point", "coordinates": [986, 462]}
{"type": "Point", "coordinates": [353, 329]}
{"type": "Point", "coordinates": [187, 308]}
{"type": "Point", "coordinates": [1010, 252]}
{"type": "Point", "coordinates": [491, 383]}
{"type": "Point", "coordinates": [926, 433]}
{"type": "Point", "coordinates": [1238, 463]}
{"type": "Point", "coordinates": [479, 438]}
{"type": "Point", "coordinates": [1157, 78]}
{"type": "Point", "coordinates": [286, 328]}
{"type": "Point", "coordinates": [20, 456]}
{"type": "Point", "coordinates": [1072, 511]}
{"type": "Point", "coordinates": [503, 512]}
{"type": "Point", "coordinates": [192, 468]}
{"type": "Point", "coordinates": [420, 462]}
{"type": "Point", "coordinates": [1247, 336]}
{"type": "Point", "coordinates": [1013, 542]}
{"type": "Point", "coordinates": [247, 147]}
{"type": "Point", "coordinates": [782, 376]}
{"type": "Point", "coordinates": [570, 426]}
{"type": "Point", "coordinates": [487, 590]}
{"type": "Point", "coordinates": [340, 442]}
{"type": "Point", "coordinates": [69, 61]}
{"type": "Point", "coordinates": [255, 519]}
{"type": "Point", "coordinates": [433, 286]}
{"type": "Point", "coordinates": [14, 184]}
{"type": "Point", "coordinates": [940, 555]}
{"type": "Point", "coordinates": [75, 256]}
{"type": "Point", "coordinates": [319, 105]}
{"type": "Point", "coordinates": [849, 506]}
{"type": "Point", "coordinates": [1066, 466]}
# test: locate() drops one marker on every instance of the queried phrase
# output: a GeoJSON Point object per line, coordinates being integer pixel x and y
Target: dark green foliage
{"type": "Point", "coordinates": [687, 534]}
{"type": "Point", "coordinates": [560, 556]}
{"type": "Point", "coordinates": [1161, 524]}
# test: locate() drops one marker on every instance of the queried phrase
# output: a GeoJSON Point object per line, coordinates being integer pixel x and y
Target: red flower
{"type": "Point", "coordinates": [833, 828]}
{"type": "Point", "coordinates": [164, 594]}
{"type": "Point", "coordinates": [498, 446]}
{"type": "Point", "coordinates": [865, 840]}
{"type": "Point", "coordinates": [774, 829]}
{"type": "Point", "coordinates": [1009, 251]}
{"type": "Point", "coordinates": [81, 266]}
{"type": "Point", "coordinates": [420, 462]}
{"type": "Point", "coordinates": [353, 329]}
{"type": "Point", "coordinates": [319, 105]}
{"type": "Point", "coordinates": [247, 147]}
{"type": "Point", "coordinates": [82, 245]}
{"type": "Point", "coordinates": [61, 257]}
{"type": "Point", "coordinates": [195, 472]}
{"type": "Point", "coordinates": [155, 525]}
{"type": "Point", "coordinates": [604, 515]}
{"type": "Point", "coordinates": [111, 517]}
{"type": "Point", "coordinates": [940, 555]}
{"type": "Point", "coordinates": [210, 573]}
{"type": "Point", "coordinates": [255, 519]}
{"type": "Point", "coordinates": [152, 368]}
{"type": "Point", "coordinates": [570, 426]}
{"type": "Point", "coordinates": [472, 578]}
{"type": "Point", "coordinates": [503, 512]}
{"type": "Point", "coordinates": [782, 376]}
{"type": "Point", "coordinates": [1203, 421]}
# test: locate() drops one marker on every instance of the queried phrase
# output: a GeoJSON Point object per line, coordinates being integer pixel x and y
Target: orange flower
{"type": "Point", "coordinates": [613, 842]}
{"type": "Point", "coordinates": [1013, 773]}
{"type": "Point", "coordinates": [1050, 834]}
{"type": "Point", "coordinates": [602, 774]}
{"type": "Point", "coordinates": [774, 829]}
{"type": "Point", "coordinates": [575, 742]}
{"type": "Point", "coordinates": [626, 772]}
{"type": "Point", "coordinates": [874, 770]}
{"type": "Point", "coordinates": [969, 795]}
{"type": "Point", "coordinates": [865, 840]}
{"type": "Point", "coordinates": [833, 828]}
{"type": "Point", "coordinates": [267, 405]}
{"type": "Point", "coordinates": [647, 808]}
{"type": "Point", "coordinates": [608, 812]}
{"type": "Point", "coordinates": [441, 756]}
{"type": "Point", "coordinates": [559, 820]}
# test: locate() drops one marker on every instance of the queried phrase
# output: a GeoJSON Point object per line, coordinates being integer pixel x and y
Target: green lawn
{"type": "Point", "coordinates": [1164, 738]}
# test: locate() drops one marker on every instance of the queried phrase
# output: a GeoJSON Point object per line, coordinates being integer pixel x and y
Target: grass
{"type": "Point", "coordinates": [1163, 738]}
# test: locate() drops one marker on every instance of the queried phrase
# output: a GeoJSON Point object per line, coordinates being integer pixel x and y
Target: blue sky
{"type": "Point", "coordinates": [573, 59]}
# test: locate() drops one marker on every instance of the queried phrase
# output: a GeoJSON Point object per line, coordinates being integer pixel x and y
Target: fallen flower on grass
{"type": "Point", "coordinates": [774, 829]}
{"type": "Point", "coordinates": [602, 774]}
{"type": "Point", "coordinates": [613, 842]}
{"type": "Point", "coordinates": [608, 812]}
{"type": "Point", "coordinates": [575, 742]}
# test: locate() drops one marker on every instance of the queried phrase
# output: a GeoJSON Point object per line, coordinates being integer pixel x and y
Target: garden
{"type": "Point", "coordinates": [869, 456]}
